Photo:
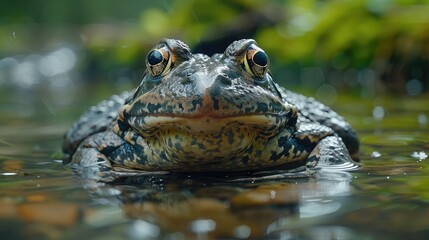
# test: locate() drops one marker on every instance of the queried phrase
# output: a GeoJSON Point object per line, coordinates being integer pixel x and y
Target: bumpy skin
{"type": "Point", "coordinates": [194, 113]}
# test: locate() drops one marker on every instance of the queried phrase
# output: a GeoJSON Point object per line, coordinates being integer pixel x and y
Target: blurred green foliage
{"type": "Point", "coordinates": [389, 37]}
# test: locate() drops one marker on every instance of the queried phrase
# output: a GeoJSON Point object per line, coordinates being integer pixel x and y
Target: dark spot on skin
{"type": "Point", "coordinates": [201, 146]}
{"type": "Point", "coordinates": [196, 102]}
{"type": "Point", "coordinates": [306, 141]}
{"type": "Point", "coordinates": [262, 107]}
{"type": "Point", "coordinates": [153, 107]}
{"type": "Point", "coordinates": [224, 79]}
{"type": "Point", "coordinates": [245, 159]}
{"type": "Point", "coordinates": [276, 107]}
{"type": "Point", "coordinates": [217, 136]}
{"type": "Point", "coordinates": [231, 137]}
{"type": "Point", "coordinates": [178, 146]}
{"type": "Point", "coordinates": [134, 137]}
{"type": "Point", "coordinates": [215, 103]}
{"type": "Point", "coordinates": [274, 156]}
{"type": "Point", "coordinates": [122, 125]}
{"type": "Point", "coordinates": [312, 161]}
{"type": "Point", "coordinates": [174, 155]}
{"type": "Point", "coordinates": [282, 141]}
{"type": "Point", "coordinates": [292, 120]}
{"type": "Point", "coordinates": [163, 155]}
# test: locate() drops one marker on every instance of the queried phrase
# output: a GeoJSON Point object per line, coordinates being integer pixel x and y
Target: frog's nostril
{"type": "Point", "coordinates": [223, 79]}
{"type": "Point", "coordinates": [187, 79]}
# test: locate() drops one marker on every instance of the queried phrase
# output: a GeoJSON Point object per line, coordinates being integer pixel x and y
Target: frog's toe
{"type": "Point", "coordinates": [91, 164]}
{"type": "Point", "coordinates": [331, 153]}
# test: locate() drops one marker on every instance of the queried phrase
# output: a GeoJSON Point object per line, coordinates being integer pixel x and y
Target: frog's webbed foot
{"type": "Point", "coordinates": [95, 166]}
{"type": "Point", "coordinates": [91, 159]}
{"type": "Point", "coordinates": [90, 163]}
{"type": "Point", "coordinates": [331, 153]}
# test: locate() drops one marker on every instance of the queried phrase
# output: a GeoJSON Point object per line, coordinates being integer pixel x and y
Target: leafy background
{"type": "Point", "coordinates": [367, 48]}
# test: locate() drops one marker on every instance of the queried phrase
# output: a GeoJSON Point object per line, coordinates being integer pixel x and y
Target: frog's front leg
{"type": "Point", "coordinates": [90, 158]}
{"type": "Point", "coordinates": [101, 157]}
{"type": "Point", "coordinates": [329, 151]}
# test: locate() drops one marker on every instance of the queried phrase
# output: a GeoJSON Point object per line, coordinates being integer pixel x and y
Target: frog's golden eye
{"type": "Point", "coordinates": [256, 61]}
{"type": "Point", "coordinates": [159, 61]}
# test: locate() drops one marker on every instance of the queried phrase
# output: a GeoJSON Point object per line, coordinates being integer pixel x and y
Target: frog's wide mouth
{"type": "Point", "coordinates": [207, 123]}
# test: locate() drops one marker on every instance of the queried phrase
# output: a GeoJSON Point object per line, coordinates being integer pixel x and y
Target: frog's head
{"type": "Point", "coordinates": [198, 102]}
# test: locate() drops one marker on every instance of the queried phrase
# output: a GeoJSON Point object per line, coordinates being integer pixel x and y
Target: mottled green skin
{"type": "Point", "coordinates": [208, 114]}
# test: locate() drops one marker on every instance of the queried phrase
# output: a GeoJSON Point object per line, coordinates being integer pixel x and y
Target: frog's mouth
{"type": "Point", "coordinates": [267, 124]}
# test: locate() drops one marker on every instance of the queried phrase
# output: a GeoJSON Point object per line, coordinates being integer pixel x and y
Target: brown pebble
{"type": "Point", "coordinates": [58, 214]}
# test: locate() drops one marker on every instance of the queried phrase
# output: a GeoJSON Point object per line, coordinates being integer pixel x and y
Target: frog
{"type": "Point", "coordinates": [193, 113]}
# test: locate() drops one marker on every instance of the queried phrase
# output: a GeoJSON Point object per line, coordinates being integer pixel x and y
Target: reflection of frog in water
{"type": "Point", "coordinates": [194, 113]}
{"type": "Point", "coordinates": [191, 207]}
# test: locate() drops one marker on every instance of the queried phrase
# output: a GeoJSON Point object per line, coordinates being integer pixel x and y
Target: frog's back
{"type": "Point", "coordinates": [97, 119]}
{"type": "Point", "coordinates": [311, 110]}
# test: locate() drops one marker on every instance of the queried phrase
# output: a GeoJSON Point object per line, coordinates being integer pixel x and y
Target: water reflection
{"type": "Point", "coordinates": [200, 208]}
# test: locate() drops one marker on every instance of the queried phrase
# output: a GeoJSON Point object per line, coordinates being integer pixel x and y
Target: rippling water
{"type": "Point", "coordinates": [386, 199]}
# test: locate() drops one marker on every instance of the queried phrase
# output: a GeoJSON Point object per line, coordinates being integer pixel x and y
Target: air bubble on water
{"type": "Point", "coordinates": [242, 231]}
{"type": "Point", "coordinates": [419, 155]}
{"type": "Point", "coordinates": [414, 87]}
{"type": "Point", "coordinates": [378, 113]}
{"type": "Point", "coordinates": [388, 177]}
{"type": "Point", "coordinates": [422, 119]}
{"type": "Point", "coordinates": [203, 226]}
{"type": "Point", "coordinates": [272, 194]}
{"type": "Point", "coordinates": [9, 174]}
{"type": "Point", "coordinates": [375, 154]}
{"type": "Point", "coordinates": [143, 230]}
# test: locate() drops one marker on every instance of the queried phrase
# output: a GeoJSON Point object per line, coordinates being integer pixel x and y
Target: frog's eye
{"type": "Point", "coordinates": [256, 61]}
{"type": "Point", "coordinates": [159, 61]}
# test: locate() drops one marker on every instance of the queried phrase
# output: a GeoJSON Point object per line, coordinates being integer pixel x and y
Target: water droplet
{"type": "Point", "coordinates": [422, 119]}
{"type": "Point", "coordinates": [375, 154]}
{"type": "Point", "coordinates": [378, 113]}
{"type": "Point", "coordinates": [242, 231]}
{"type": "Point", "coordinates": [272, 194]}
{"type": "Point", "coordinates": [143, 230]}
{"type": "Point", "coordinates": [419, 155]}
{"type": "Point", "coordinates": [203, 225]}
{"type": "Point", "coordinates": [9, 174]}
{"type": "Point", "coordinates": [388, 177]}
{"type": "Point", "coordinates": [414, 87]}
